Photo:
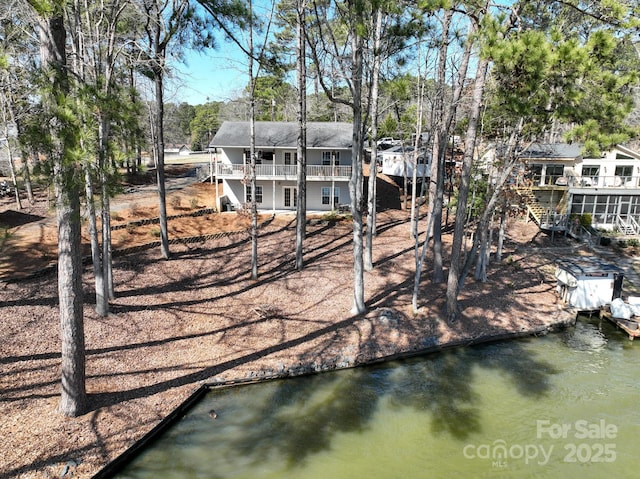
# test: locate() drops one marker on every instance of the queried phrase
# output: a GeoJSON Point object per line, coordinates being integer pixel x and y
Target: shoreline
{"type": "Point", "coordinates": [117, 464]}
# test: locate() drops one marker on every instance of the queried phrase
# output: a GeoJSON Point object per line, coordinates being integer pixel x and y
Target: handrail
{"type": "Point", "coordinates": [282, 171]}
{"type": "Point", "coordinates": [634, 224]}
{"type": "Point", "coordinates": [610, 181]}
{"type": "Point", "coordinates": [532, 213]}
{"type": "Point", "coordinates": [624, 224]}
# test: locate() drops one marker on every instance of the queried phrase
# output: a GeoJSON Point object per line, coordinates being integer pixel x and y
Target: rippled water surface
{"type": "Point", "coordinates": [565, 406]}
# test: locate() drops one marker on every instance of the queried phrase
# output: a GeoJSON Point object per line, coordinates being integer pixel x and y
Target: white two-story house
{"type": "Point", "coordinates": [564, 182]}
{"type": "Point", "coordinates": [328, 164]}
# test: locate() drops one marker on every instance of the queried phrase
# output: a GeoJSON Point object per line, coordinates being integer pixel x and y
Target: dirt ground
{"type": "Point", "coordinates": [199, 318]}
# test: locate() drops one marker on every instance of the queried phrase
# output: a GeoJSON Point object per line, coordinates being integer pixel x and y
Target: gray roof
{"type": "Point", "coordinates": [552, 150]}
{"type": "Point", "coordinates": [273, 134]}
{"type": "Point", "coordinates": [587, 265]}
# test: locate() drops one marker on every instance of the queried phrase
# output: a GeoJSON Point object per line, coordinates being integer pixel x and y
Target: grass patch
{"type": "Point", "coordinates": [175, 201]}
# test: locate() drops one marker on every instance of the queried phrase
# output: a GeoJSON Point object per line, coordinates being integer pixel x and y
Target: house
{"type": "Point", "coordinates": [177, 149]}
{"type": "Point", "coordinates": [328, 164]}
{"type": "Point", "coordinates": [558, 183]}
{"type": "Point", "coordinates": [398, 161]}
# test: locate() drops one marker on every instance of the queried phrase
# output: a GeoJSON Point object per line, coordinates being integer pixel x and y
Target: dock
{"type": "Point", "coordinates": [629, 326]}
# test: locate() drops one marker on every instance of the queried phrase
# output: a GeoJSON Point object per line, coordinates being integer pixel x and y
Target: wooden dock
{"type": "Point", "coordinates": [629, 326]}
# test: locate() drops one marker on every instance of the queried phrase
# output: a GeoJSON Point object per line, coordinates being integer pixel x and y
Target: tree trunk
{"type": "Point", "coordinates": [63, 141]}
{"type": "Point", "coordinates": [73, 399]}
{"type": "Point", "coordinates": [301, 191]}
{"type": "Point", "coordinates": [482, 263]}
{"type": "Point", "coordinates": [436, 194]}
{"type": "Point", "coordinates": [103, 145]}
{"type": "Point", "coordinates": [14, 180]}
{"type": "Point", "coordinates": [252, 150]}
{"type": "Point", "coordinates": [27, 178]}
{"type": "Point", "coordinates": [162, 195]}
{"type": "Point", "coordinates": [414, 177]}
{"type": "Point", "coordinates": [106, 247]}
{"type": "Point", "coordinates": [356, 180]}
{"type": "Point", "coordinates": [503, 221]}
{"type": "Point", "coordinates": [438, 198]}
{"type": "Point", "coordinates": [373, 165]}
{"type": "Point", "coordinates": [463, 192]}
{"type": "Point", "coordinates": [102, 305]}
{"type": "Point", "coordinates": [420, 258]}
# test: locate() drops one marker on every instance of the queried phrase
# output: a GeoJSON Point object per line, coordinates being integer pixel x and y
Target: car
{"type": "Point", "coordinates": [387, 142]}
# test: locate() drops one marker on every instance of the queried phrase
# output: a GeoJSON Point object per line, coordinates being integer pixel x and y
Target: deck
{"type": "Point", "coordinates": [629, 326]}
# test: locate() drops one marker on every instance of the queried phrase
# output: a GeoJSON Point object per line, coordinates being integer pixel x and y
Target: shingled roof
{"type": "Point", "coordinates": [553, 151]}
{"type": "Point", "coordinates": [273, 134]}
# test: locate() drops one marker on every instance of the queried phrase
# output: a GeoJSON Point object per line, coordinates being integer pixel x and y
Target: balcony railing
{"type": "Point", "coordinates": [283, 172]}
{"type": "Point", "coordinates": [625, 182]}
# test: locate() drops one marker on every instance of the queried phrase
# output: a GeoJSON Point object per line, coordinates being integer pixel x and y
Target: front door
{"type": "Point", "coordinates": [290, 197]}
{"type": "Point", "coordinates": [624, 206]}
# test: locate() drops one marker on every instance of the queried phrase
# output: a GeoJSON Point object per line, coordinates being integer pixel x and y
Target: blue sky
{"type": "Point", "coordinates": [218, 75]}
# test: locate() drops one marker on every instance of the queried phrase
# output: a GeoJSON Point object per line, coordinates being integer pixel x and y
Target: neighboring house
{"type": "Point", "coordinates": [177, 149]}
{"type": "Point", "coordinates": [398, 161]}
{"type": "Point", "coordinates": [328, 164]}
{"type": "Point", "coordinates": [558, 182]}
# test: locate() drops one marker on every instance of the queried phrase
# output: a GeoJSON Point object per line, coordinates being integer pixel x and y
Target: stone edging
{"type": "Point", "coordinates": [136, 249]}
{"type": "Point", "coordinates": [155, 221]}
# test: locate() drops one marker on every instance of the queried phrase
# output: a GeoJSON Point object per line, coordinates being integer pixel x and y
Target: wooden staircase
{"type": "Point", "coordinates": [534, 209]}
{"type": "Point", "coordinates": [545, 218]}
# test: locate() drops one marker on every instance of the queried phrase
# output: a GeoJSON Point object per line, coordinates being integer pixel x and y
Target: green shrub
{"type": "Point", "coordinates": [633, 242]}
{"type": "Point", "coordinates": [586, 220]}
{"type": "Point", "coordinates": [332, 216]}
{"type": "Point", "coordinates": [622, 243]}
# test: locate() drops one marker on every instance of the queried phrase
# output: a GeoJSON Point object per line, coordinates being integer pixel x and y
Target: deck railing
{"type": "Point", "coordinates": [283, 172]}
{"type": "Point", "coordinates": [613, 181]}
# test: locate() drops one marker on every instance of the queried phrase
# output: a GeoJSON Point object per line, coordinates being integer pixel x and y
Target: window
{"type": "Point", "coordinates": [535, 173]}
{"type": "Point", "coordinates": [260, 155]}
{"type": "Point", "coordinates": [553, 173]}
{"type": "Point", "coordinates": [327, 156]}
{"type": "Point", "coordinates": [288, 157]}
{"type": "Point", "coordinates": [326, 194]}
{"type": "Point", "coordinates": [590, 175]}
{"type": "Point", "coordinates": [258, 194]}
{"type": "Point", "coordinates": [624, 173]}
{"type": "Point", "coordinates": [247, 157]}
{"type": "Point", "coordinates": [265, 155]}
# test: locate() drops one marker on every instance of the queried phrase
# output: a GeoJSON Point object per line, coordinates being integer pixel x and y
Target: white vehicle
{"type": "Point", "coordinates": [387, 142]}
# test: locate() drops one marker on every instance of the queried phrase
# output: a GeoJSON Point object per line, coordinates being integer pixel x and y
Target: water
{"type": "Point", "coordinates": [562, 406]}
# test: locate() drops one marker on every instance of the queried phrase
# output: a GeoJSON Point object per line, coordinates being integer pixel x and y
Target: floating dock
{"type": "Point", "coordinates": [629, 326]}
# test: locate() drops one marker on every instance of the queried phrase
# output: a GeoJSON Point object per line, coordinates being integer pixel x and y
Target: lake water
{"type": "Point", "coordinates": [563, 406]}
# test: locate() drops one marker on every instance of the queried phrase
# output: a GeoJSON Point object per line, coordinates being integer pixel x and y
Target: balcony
{"type": "Point", "coordinates": [563, 182]}
{"type": "Point", "coordinates": [625, 182]}
{"type": "Point", "coordinates": [283, 172]}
